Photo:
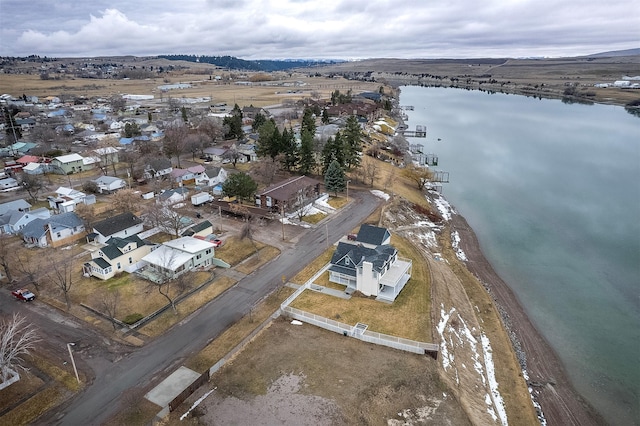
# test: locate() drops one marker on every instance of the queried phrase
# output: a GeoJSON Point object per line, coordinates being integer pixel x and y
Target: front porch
{"type": "Point", "coordinates": [394, 280]}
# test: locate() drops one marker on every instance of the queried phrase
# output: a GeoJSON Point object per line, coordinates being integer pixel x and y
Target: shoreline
{"type": "Point", "coordinates": [547, 378]}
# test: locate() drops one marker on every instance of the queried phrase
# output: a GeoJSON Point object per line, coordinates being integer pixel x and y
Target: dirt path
{"type": "Point", "coordinates": [560, 403]}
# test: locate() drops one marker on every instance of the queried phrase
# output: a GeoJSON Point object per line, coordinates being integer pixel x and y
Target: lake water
{"type": "Point", "coordinates": [552, 191]}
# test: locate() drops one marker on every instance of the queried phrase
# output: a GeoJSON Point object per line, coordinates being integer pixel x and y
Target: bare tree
{"type": "Point", "coordinates": [165, 218]}
{"type": "Point", "coordinates": [29, 268]}
{"type": "Point", "coordinates": [370, 169]}
{"type": "Point", "coordinates": [419, 175]}
{"type": "Point", "coordinates": [17, 339]}
{"type": "Point", "coordinates": [33, 184]}
{"type": "Point", "coordinates": [7, 254]}
{"type": "Point", "coordinates": [173, 280]}
{"type": "Point", "coordinates": [173, 144]}
{"type": "Point", "coordinates": [118, 103]}
{"type": "Point", "coordinates": [212, 127]}
{"type": "Point", "coordinates": [87, 213]}
{"type": "Point", "coordinates": [302, 206]}
{"type": "Point", "coordinates": [108, 156]}
{"type": "Point", "coordinates": [61, 276]}
{"type": "Point", "coordinates": [265, 171]}
{"type": "Point", "coordinates": [125, 200]}
{"type": "Point", "coordinates": [247, 233]}
{"type": "Point", "coordinates": [391, 177]}
{"type": "Point", "coordinates": [109, 300]}
{"type": "Point", "coordinates": [233, 155]}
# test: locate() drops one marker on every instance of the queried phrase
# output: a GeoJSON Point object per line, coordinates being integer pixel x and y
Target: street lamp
{"type": "Point", "coordinates": [348, 190]}
{"type": "Point", "coordinates": [75, 370]}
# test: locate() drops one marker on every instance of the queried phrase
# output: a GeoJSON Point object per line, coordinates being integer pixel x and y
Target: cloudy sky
{"type": "Point", "coordinates": [345, 29]}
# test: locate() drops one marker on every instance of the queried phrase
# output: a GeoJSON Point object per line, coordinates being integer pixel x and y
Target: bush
{"type": "Point", "coordinates": [132, 318]}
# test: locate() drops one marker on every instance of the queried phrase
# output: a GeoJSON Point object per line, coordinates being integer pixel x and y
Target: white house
{"type": "Point", "coordinates": [119, 254]}
{"type": "Point", "coordinates": [181, 255]}
{"type": "Point", "coordinates": [67, 198]}
{"type": "Point", "coordinates": [8, 183]}
{"type": "Point", "coordinates": [173, 196]}
{"type": "Point", "coordinates": [191, 174]}
{"type": "Point", "coordinates": [213, 176]}
{"type": "Point", "coordinates": [158, 168]}
{"type": "Point", "coordinates": [123, 225]}
{"type": "Point", "coordinates": [109, 184]}
{"type": "Point", "coordinates": [374, 270]}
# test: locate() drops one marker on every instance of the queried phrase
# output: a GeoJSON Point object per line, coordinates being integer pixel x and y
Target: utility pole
{"type": "Point", "coordinates": [282, 219]}
{"type": "Point", "coordinates": [73, 362]}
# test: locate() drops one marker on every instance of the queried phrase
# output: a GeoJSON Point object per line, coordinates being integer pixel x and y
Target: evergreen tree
{"type": "Point", "coordinates": [307, 158]}
{"type": "Point", "coordinates": [239, 185]}
{"type": "Point", "coordinates": [325, 116]}
{"type": "Point", "coordinates": [269, 140]}
{"type": "Point", "coordinates": [234, 124]}
{"type": "Point", "coordinates": [309, 121]}
{"type": "Point", "coordinates": [333, 151]}
{"type": "Point", "coordinates": [334, 178]}
{"type": "Point", "coordinates": [258, 121]}
{"type": "Point", "coordinates": [352, 143]}
{"type": "Point", "coordinates": [290, 149]}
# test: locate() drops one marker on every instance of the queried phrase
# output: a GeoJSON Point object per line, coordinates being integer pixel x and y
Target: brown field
{"type": "Point", "coordinates": [256, 95]}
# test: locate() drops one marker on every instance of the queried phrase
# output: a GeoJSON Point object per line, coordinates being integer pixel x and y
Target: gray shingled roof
{"type": "Point", "coordinates": [117, 223]}
{"type": "Point", "coordinates": [357, 254]}
{"type": "Point", "coordinates": [370, 234]}
{"type": "Point", "coordinates": [14, 205]}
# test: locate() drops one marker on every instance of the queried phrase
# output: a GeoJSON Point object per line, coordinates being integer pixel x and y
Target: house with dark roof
{"type": "Point", "coordinates": [373, 236]}
{"type": "Point", "coordinates": [201, 229]}
{"type": "Point", "coordinates": [123, 225]}
{"type": "Point", "coordinates": [118, 255]}
{"type": "Point", "coordinates": [288, 194]}
{"type": "Point", "coordinates": [373, 270]}
{"type": "Point", "coordinates": [55, 231]}
{"type": "Point", "coordinates": [157, 168]}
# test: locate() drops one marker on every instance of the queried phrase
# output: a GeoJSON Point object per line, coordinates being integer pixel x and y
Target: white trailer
{"type": "Point", "coordinates": [201, 198]}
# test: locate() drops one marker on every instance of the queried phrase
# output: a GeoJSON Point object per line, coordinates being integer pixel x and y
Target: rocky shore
{"type": "Point", "coordinates": [547, 379]}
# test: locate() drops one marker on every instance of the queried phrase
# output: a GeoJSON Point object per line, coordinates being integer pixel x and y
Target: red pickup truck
{"type": "Point", "coordinates": [24, 295]}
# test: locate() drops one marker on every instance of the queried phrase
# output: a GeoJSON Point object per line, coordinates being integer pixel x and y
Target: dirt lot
{"type": "Point", "coordinates": [303, 375]}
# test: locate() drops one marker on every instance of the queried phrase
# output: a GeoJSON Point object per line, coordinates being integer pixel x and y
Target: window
{"type": "Point", "coordinates": [208, 251]}
{"type": "Point", "coordinates": [199, 256]}
{"type": "Point", "coordinates": [130, 260]}
{"type": "Point", "coordinates": [58, 235]}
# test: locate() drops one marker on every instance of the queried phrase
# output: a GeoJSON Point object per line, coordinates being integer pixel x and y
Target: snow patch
{"type": "Point", "coordinates": [195, 404]}
{"type": "Point", "coordinates": [455, 243]}
{"type": "Point", "coordinates": [491, 377]}
{"type": "Point", "coordinates": [443, 206]}
{"type": "Point", "coordinates": [380, 194]}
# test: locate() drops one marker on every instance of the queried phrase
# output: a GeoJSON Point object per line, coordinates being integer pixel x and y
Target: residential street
{"type": "Point", "coordinates": [157, 359]}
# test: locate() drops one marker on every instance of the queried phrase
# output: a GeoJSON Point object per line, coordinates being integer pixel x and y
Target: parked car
{"type": "Point", "coordinates": [24, 295]}
{"type": "Point", "coordinates": [352, 237]}
{"type": "Point", "coordinates": [217, 242]}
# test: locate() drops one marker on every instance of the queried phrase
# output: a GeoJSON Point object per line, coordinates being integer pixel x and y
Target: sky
{"type": "Point", "coordinates": [318, 29]}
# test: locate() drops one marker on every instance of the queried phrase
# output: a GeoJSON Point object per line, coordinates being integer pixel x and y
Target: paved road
{"type": "Point", "coordinates": [160, 357]}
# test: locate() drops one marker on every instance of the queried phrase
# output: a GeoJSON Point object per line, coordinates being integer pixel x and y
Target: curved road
{"type": "Point", "coordinates": [158, 358]}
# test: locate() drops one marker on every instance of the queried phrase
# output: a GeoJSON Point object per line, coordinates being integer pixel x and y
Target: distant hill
{"type": "Point", "coordinates": [231, 62]}
{"type": "Point", "coordinates": [627, 52]}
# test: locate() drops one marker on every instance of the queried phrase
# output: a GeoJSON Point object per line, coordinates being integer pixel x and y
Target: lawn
{"type": "Point", "coordinates": [169, 318]}
{"type": "Point", "coordinates": [408, 317]}
{"type": "Point", "coordinates": [228, 340]}
{"type": "Point", "coordinates": [236, 250]}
